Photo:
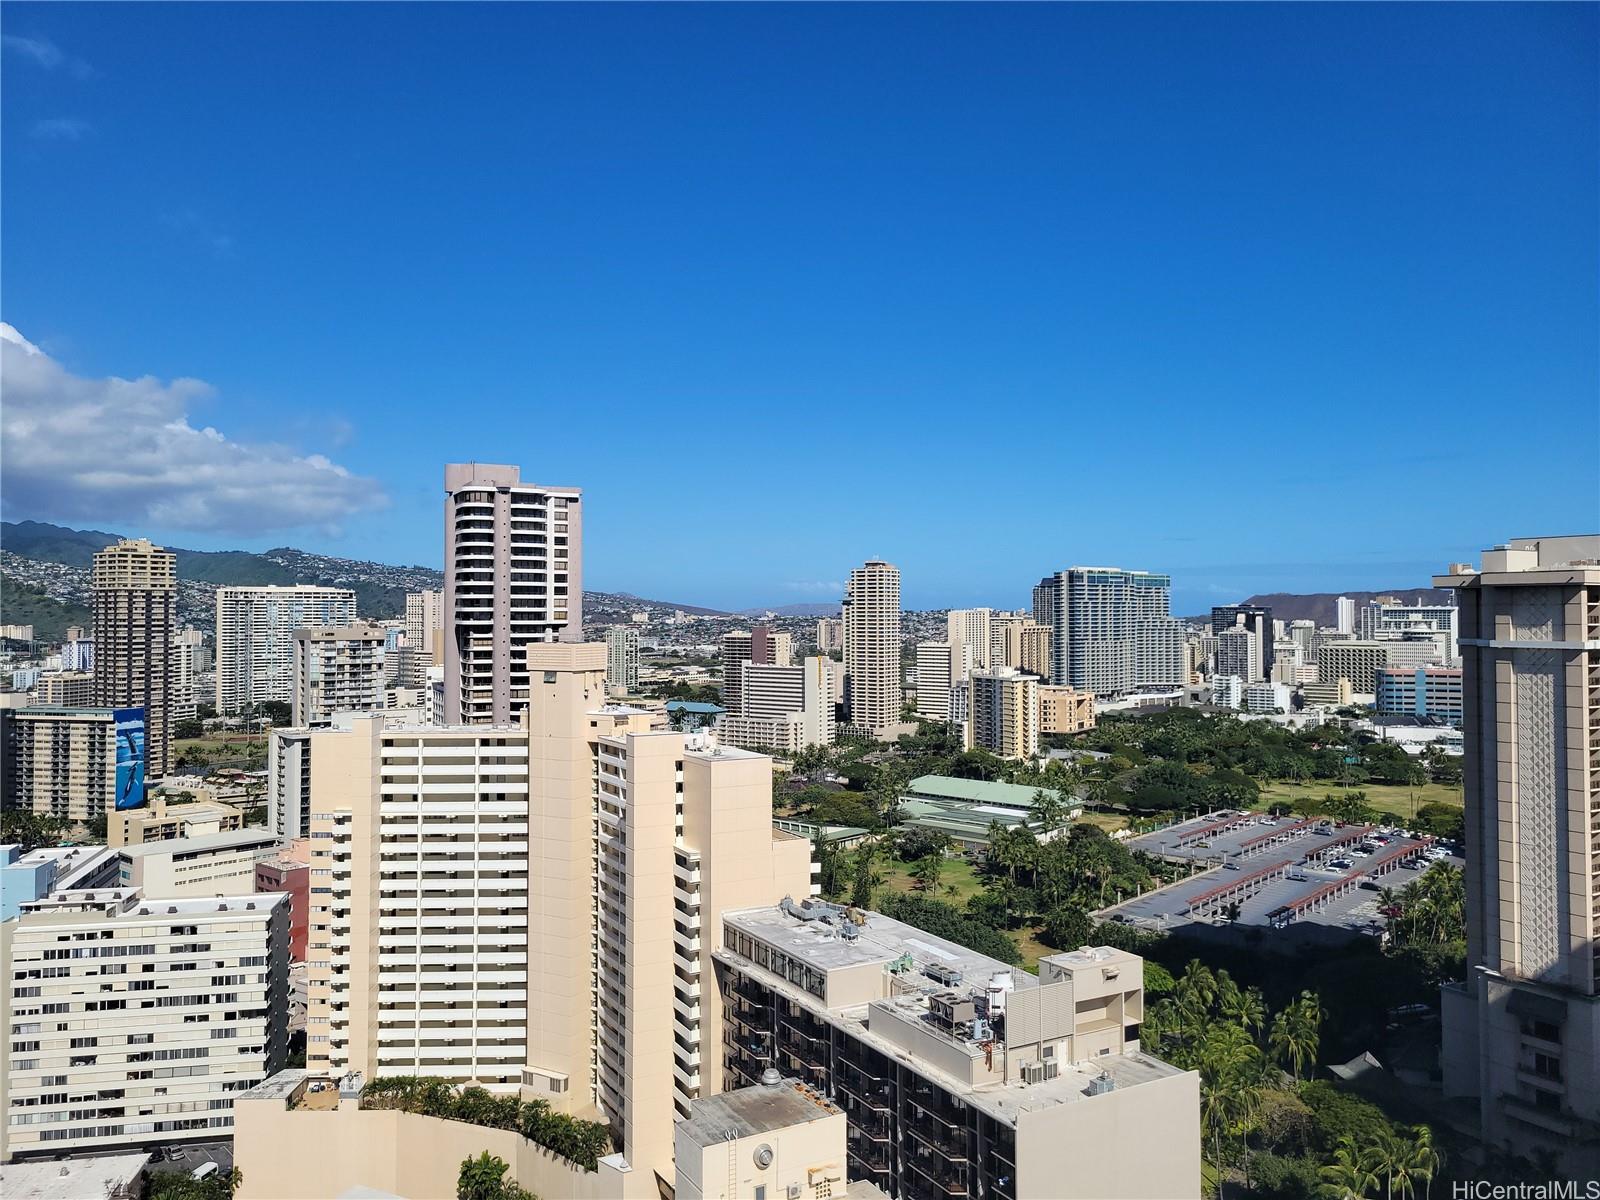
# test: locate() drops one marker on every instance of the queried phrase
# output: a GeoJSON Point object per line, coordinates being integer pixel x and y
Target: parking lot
{"type": "Point", "coordinates": [188, 1159]}
{"type": "Point", "coordinates": [1278, 872]}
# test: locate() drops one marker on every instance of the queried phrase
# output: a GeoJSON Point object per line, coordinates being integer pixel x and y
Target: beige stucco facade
{"type": "Point", "coordinates": [1064, 710]}
{"type": "Point", "coordinates": [533, 907]}
{"type": "Point", "coordinates": [59, 762]}
{"type": "Point", "coordinates": [1005, 713]}
{"type": "Point", "coordinates": [1523, 1033]}
{"type": "Point", "coordinates": [133, 591]}
{"type": "Point", "coordinates": [161, 819]}
{"type": "Point", "coordinates": [289, 1150]}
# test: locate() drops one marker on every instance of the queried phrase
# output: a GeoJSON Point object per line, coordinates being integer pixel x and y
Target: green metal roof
{"type": "Point", "coordinates": [973, 791]}
{"type": "Point", "coordinates": [958, 819]}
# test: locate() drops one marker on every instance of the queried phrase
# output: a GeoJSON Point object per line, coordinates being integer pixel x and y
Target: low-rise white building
{"type": "Point", "coordinates": [131, 1021]}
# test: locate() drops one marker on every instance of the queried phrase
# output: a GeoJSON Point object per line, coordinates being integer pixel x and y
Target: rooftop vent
{"type": "Point", "coordinates": [771, 1077]}
{"type": "Point", "coordinates": [1100, 1085]}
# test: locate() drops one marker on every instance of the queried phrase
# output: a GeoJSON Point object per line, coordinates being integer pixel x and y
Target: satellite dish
{"type": "Point", "coordinates": [763, 1156]}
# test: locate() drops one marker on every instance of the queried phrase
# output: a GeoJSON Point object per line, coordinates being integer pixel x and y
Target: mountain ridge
{"type": "Point", "coordinates": [51, 562]}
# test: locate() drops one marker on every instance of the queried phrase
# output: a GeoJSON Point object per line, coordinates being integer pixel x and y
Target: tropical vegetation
{"type": "Point", "coordinates": [484, 1178]}
{"type": "Point", "coordinates": [181, 1185]}
{"type": "Point", "coordinates": [579, 1141]}
{"type": "Point", "coordinates": [1262, 1124]}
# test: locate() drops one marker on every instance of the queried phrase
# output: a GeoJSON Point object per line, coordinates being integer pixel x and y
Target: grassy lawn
{"type": "Point", "coordinates": [957, 884]}
{"type": "Point", "coordinates": [220, 742]}
{"type": "Point", "coordinates": [1110, 822]}
{"type": "Point", "coordinates": [1389, 798]}
{"type": "Point", "coordinates": [1027, 940]}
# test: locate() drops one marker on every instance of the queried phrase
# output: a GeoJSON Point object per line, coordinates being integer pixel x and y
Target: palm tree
{"type": "Point", "coordinates": [1246, 1007]}
{"type": "Point", "coordinates": [1297, 1033]}
{"type": "Point", "coordinates": [481, 1178]}
{"type": "Point", "coordinates": [1387, 1157]}
{"type": "Point", "coordinates": [1350, 1176]}
{"type": "Point", "coordinates": [1422, 1159]}
{"type": "Point", "coordinates": [1230, 1086]}
{"type": "Point", "coordinates": [1047, 810]}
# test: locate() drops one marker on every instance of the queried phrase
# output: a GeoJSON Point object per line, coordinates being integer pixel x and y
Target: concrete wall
{"type": "Point", "coordinates": [804, 1156]}
{"type": "Point", "coordinates": [1140, 1143]}
{"type": "Point", "coordinates": [310, 1155]}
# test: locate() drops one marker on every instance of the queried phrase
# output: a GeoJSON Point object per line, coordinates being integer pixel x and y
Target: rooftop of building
{"type": "Point", "coordinates": [821, 945]}
{"type": "Point", "coordinates": [340, 633]}
{"type": "Point", "coordinates": [1562, 553]}
{"type": "Point", "coordinates": [233, 839]}
{"type": "Point", "coordinates": [908, 953]}
{"type": "Point", "coordinates": [694, 706]}
{"type": "Point", "coordinates": [71, 862]}
{"type": "Point", "coordinates": [71, 1178]}
{"type": "Point", "coordinates": [129, 904]}
{"type": "Point", "coordinates": [971, 791]}
{"type": "Point", "coordinates": [961, 820]}
{"type": "Point", "coordinates": [62, 710]}
{"type": "Point", "coordinates": [764, 1108]}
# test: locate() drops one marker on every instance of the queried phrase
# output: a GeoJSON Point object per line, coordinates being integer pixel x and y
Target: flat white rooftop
{"type": "Point", "coordinates": [126, 904]}
{"type": "Point", "coordinates": [884, 940]}
{"type": "Point", "coordinates": [233, 839]}
{"type": "Point", "coordinates": [881, 940]}
{"type": "Point", "coordinates": [70, 1178]}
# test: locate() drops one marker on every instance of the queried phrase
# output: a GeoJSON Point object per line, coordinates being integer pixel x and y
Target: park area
{"type": "Point", "coordinates": [1400, 800]}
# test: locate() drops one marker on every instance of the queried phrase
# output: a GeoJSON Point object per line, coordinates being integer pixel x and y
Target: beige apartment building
{"type": "Point", "coordinates": [161, 820]}
{"type": "Point", "coordinates": [1005, 713]}
{"type": "Point", "coordinates": [960, 1075]}
{"type": "Point", "coordinates": [1063, 710]}
{"type": "Point", "coordinates": [424, 646]}
{"type": "Point", "coordinates": [873, 687]}
{"type": "Point", "coordinates": [513, 577]}
{"type": "Point", "coordinates": [67, 689]}
{"type": "Point", "coordinates": [133, 593]}
{"type": "Point", "coordinates": [133, 1021]}
{"type": "Point", "coordinates": [1034, 650]}
{"type": "Point", "coordinates": [1017, 642]}
{"type": "Point", "coordinates": [783, 708]}
{"type": "Point", "coordinates": [1360, 661]}
{"type": "Point", "coordinates": [971, 627]}
{"type": "Point", "coordinates": [533, 907]}
{"type": "Point", "coordinates": [59, 762]}
{"type": "Point", "coordinates": [1522, 1035]}
{"type": "Point", "coordinates": [337, 669]}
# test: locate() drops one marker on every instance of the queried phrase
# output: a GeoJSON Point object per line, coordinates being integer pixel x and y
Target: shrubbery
{"type": "Point", "coordinates": [582, 1142]}
{"type": "Point", "coordinates": [942, 920]}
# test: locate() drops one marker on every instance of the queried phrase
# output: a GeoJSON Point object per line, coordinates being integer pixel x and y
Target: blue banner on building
{"type": "Point", "coordinates": [130, 756]}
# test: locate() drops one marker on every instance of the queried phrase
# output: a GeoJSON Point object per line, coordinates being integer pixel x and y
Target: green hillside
{"type": "Point", "coordinates": [23, 605]}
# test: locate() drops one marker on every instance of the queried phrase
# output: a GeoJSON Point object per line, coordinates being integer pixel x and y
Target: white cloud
{"type": "Point", "coordinates": [121, 452]}
{"type": "Point", "coordinates": [68, 129]}
{"type": "Point", "coordinates": [47, 54]}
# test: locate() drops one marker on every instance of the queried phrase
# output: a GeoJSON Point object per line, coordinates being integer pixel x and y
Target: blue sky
{"type": "Point", "coordinates": [1270, 297]}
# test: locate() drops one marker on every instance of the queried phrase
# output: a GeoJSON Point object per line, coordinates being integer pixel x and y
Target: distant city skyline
{"type": "Point", "coordinates": [1082, 258]}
